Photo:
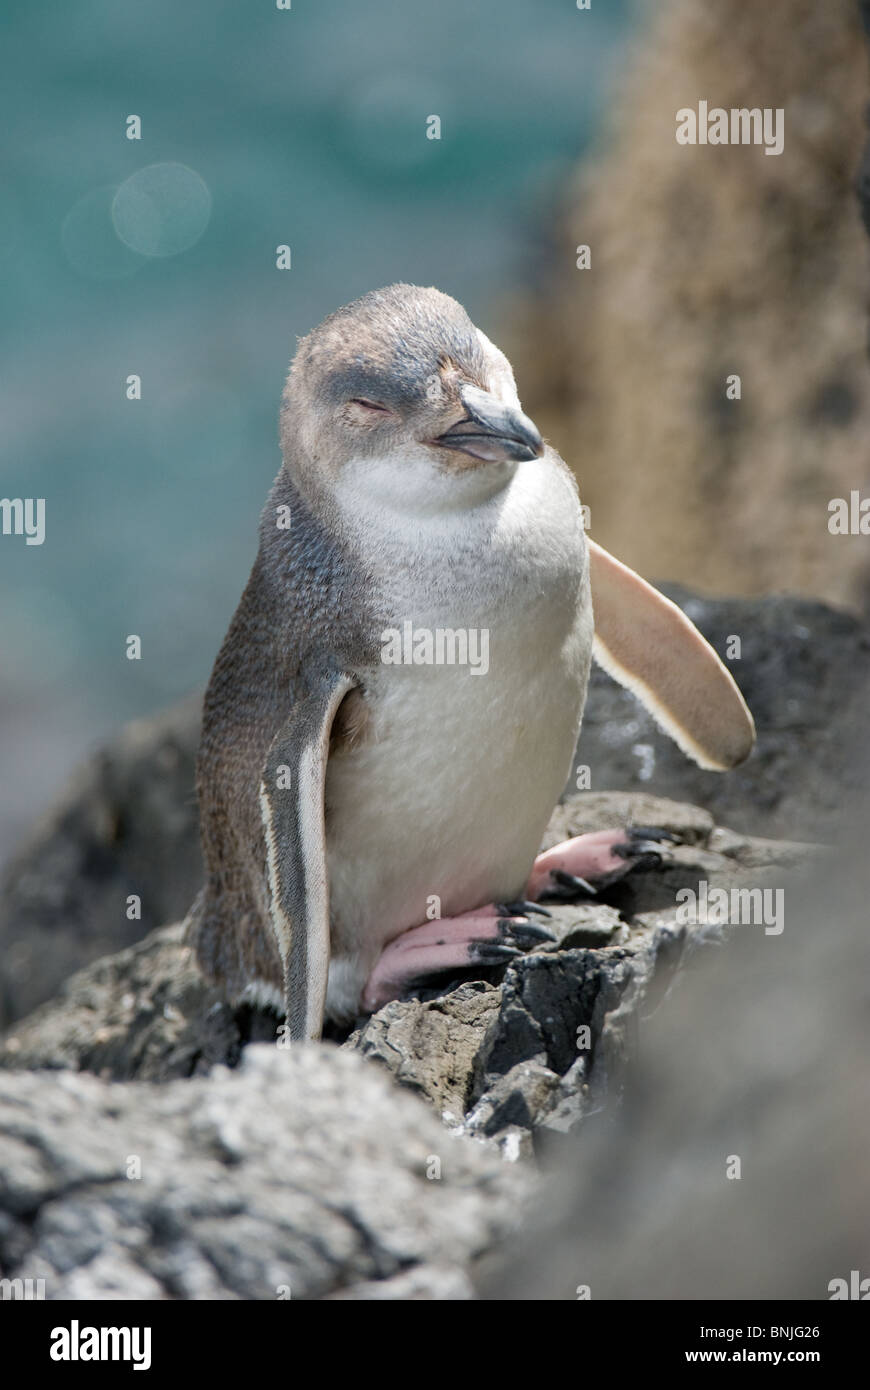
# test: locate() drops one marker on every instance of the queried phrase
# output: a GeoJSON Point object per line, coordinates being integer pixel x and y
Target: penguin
{"type": "Point", "coordinates": [393, 713]}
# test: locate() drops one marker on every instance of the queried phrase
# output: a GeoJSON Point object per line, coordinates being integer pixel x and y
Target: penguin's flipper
{"type": "Point", "coordinates": [292, 811]}
{"type": "Point", "coordinates": [646, 643]}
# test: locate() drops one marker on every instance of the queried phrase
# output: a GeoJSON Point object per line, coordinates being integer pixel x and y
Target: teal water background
{"type": "Point", "coordinates": [303, 127]}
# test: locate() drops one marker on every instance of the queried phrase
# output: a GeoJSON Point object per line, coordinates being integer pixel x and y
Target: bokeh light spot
{"type": "Point", "coordinates": [162, 210]}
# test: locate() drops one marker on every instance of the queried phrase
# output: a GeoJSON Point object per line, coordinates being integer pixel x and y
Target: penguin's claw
{"type": "Point", "coordinates": [526, 934]}
{"type": "Point", "coordinates": [483, 953]}
{"type": "Point", "coordinates": [643, 855]}
{"type": "Point", "coordinates": [653, 832]}
{"type": "Point", "coordinates": [521, 908]}
{"type": "Point", "coordinates": [565, 887]}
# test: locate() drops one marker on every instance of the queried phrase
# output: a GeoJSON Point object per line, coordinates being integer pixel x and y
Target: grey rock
{"type": "Point", "coordinates": [429, 1282]}
{"type": "Point", "coordinates": [299, 1174]}
{"type": "Point", "coordinates": [127, 824]}
{"type": "Point", "coordinates": [433, 1046]}
{"type": "Point", "coordinates": [146, 1013]}
{"type": "Point", "coordinates": [311, 1171]}
{"type": "Point", "coordinates": [757, 1058]}
{"type": "Point", "coordinates": [527, 1049]}
{"type": "Point", "coordinates": [804, 671]}
{"type": "Point", "coordinates": [516, 1101]}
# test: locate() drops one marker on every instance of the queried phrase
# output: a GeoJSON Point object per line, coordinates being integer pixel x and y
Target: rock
{"type": "Point", "coordinates": [736, 1166]}
{"type": "Point", "coordinates": [302, 1173]}
{"type": "Point", "coordinates": [516, 1101]}
{"type": "Point", "coordinates": [432, 1046]}
{"type": "Point", "coordinates": [423, 1282]}
{"type": "Point", "coordinates": [603, 810]}
{"type": "Point", "coordinates": [127, 824]}
{"type": "Point", "coordinates": [522, 1051]}
{"type": "Point", "coordinates": [312, 1169]}
{"type": "Point", "coordinates": [708, 263]}
{"type": "Point", "coordinates": [804, 671]}
{"type": "Point", "coordinates": [146, 1013]}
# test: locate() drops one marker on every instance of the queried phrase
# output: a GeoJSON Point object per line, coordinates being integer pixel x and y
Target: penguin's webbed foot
{"type": "Point", "coordinates": [582, 867]}
{"type": "Point", "coordinates": [486, 936]}
{"type": "Point", "coordinates": [588, 864]}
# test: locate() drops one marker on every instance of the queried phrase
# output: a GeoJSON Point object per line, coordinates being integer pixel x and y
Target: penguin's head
{"type": "Point", "coordinates": [398, 396]}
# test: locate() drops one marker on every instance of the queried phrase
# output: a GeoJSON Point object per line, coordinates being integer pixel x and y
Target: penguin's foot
{"type": "Point", "coordinates": [489, 935]}
{"type": "Point", "coordinates": [588, 864]}
{"type": "Point", "coordinates": [497, 933]}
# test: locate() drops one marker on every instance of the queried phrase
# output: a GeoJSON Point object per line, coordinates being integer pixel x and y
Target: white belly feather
{"type": "Point", "coordinates": [444, 803]}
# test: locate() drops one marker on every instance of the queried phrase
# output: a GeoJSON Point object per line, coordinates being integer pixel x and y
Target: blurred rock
{"type": "Point", "coordinates": [303, 1173]}
{"type": "Point", "coordinates": [146, 1013]}
{"type": "Point", "coordinates": [422, 1282]}
{"type": "Point", "coordinates": [736, 1166]}
{"type": "Point", "coordinates": [805, 673]}
{"type": "Point", "coordinates": [708, 261]}
{"type": "Point", "coordinates": [127, 824]}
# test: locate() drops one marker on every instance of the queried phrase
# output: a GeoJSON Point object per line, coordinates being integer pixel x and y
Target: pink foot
{"type": "Point", "coordinates": [485, 936]}
{"type": "Point", "coordinates": [594, 861]}
{"type": "Point", "coordinates": [494, 934]}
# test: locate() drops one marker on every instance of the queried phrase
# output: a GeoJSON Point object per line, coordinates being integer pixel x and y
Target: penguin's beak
{"type": "Point", "coordinates": [492, 431]}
